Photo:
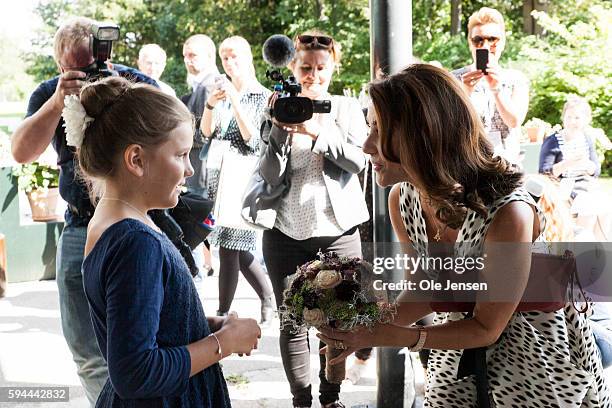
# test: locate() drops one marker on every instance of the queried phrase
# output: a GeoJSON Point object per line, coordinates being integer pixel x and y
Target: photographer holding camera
{"type": "Point", "coordinates": [318, 160]}
{"type": "Point", "coordinates": [80, 56]}
{"type": "Point", "coordinates": [500, 95]}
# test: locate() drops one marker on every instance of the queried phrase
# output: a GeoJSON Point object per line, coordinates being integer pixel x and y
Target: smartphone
{"type": "Point", "coordinates": [482, 59]}
{"type": "Point", "coordinates": [220, 81]}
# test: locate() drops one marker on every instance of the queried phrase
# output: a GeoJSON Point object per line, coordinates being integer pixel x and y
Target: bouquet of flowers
{"type": "Point", "coordinates": [334, 291]}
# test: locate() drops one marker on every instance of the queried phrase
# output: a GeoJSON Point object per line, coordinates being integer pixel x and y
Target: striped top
{"type": "Point", "coordinates": [578, 148]}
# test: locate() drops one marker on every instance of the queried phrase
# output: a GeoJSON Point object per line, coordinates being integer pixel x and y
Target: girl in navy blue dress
{"type": "Point", "coordinates": [133, 145]}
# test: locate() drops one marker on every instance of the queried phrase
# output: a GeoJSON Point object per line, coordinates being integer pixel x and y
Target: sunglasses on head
{"type": "Point", "coordinates": [320, 39]}
{"type": "Point", "coordinates": [479, 41]}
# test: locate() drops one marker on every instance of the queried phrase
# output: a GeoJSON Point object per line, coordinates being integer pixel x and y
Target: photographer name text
{"type": "Point", "coordinates": [427, 285]}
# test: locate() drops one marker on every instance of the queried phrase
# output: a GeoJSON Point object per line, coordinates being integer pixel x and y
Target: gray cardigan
{"type": "Point", "coordinates": [340, 143]}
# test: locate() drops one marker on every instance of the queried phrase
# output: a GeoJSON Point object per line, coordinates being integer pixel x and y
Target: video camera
{"type": "Point", "coordinates": [101, 45]}
{"type": "Point", "coordinates": [278, 51]}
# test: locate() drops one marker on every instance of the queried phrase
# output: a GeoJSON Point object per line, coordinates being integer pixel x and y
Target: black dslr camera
{"type": "Point", "coordinates": [101, 44]}
{"type": "Point", "coordinates": [290, 108]}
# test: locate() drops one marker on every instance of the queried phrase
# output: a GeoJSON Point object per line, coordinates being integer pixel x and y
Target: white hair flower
{"type": "Point", "coordinates": [75, 120]}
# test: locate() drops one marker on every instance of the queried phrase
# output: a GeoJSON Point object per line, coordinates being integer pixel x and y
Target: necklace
{"type": "Point", "coordinates": [438, 235]}
{"type": "Point", "coordinates": [144, 216]}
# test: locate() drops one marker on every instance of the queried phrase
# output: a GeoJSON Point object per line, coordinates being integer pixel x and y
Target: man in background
{"type": "Point", "coordinates": [199, 54]}
{"type": "Point", "coordinates": [151, 62]}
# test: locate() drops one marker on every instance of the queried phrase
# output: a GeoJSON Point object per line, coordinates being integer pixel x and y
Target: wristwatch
{"type": "Point", "coordinates": [420, 342]}
{"type": "Point", "coordinates": [209, 106]}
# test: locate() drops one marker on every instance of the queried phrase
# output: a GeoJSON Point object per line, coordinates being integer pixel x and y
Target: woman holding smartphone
{"type": "Point", "coordinates": [500, 95]}
{"type": "Point", "coordinates": [233, 114]}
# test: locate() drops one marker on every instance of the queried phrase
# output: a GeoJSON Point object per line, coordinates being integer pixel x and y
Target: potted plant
{"type": "Point", "coordinates": [537, 129]}
{"type": "Point", "coordinates": [41, 185]}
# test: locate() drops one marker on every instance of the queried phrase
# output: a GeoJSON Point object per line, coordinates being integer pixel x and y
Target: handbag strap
{"type": "Point", "coordinates": [474, 362]}
{"type": "Point", "coordinates": [573, 282]}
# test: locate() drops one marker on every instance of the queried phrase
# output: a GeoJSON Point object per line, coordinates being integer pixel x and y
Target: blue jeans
{"type": "Point", "coordinates": [76, 321]}
{"type": "Point", "coordinates": [601, 324]}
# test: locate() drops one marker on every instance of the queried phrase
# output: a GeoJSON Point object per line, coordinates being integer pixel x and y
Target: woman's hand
{"type": "Point", "coordinates": [493, 76]}
{"type": "Point", "coordinates": [470, 79]}
{"type": "Point", "coordinates": [348, 341]}
{"type": "Point", "coordinates": [216, 96]}
{"type": "Point", "coordinates": [239, 335]}
{"type": "Point", "coordinates": [215, 322]}
{"type": "Point", "coordinates": [231, 92]}
{"type": "Point", "coordinates": [311, 127]}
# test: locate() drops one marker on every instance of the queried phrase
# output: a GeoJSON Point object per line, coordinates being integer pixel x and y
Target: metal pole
{"type": "Point", "coordinates": [390, 51]}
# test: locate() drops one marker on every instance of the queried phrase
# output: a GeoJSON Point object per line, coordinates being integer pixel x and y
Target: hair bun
{"type": "Point", "coordinates": [97, 97]}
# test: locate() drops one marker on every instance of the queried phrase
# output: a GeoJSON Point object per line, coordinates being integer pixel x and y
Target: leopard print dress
{"type": "Point", "coordinates": [541, 360]}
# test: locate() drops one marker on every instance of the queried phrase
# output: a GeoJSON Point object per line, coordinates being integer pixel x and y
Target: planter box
{"type": "Point", "coordinates": [30, 246]}
{"type": "Point", "coordinates": [535, 134]}
{"type": "Point", "coordinates": [43, 203]}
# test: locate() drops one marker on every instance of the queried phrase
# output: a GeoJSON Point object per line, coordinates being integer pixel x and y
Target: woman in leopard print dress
{"type": "Point", "coordinates": [428, 142]}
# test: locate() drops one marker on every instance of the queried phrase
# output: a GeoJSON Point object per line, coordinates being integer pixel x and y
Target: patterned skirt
{"type": "Point", "coordinates": [228, 238]}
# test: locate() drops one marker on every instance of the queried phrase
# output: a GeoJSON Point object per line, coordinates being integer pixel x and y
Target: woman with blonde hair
{"type": "Point", "coordinates": [569, 155]}
{"type": "Point", "coordinates": [500, 95]}
{"type": "Point", "coordinates": [448, 187]}
{"type": "Point", "coordinates": [233, 114]}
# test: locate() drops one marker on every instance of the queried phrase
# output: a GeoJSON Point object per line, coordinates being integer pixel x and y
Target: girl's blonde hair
{"type": "Point", "coordinates": [575, 101]}
{"type": "Point", "coordinates": [559, 224]}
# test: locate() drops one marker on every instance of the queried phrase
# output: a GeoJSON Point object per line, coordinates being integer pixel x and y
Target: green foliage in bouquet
{"type": "Point", "coordinates": [335, 291]}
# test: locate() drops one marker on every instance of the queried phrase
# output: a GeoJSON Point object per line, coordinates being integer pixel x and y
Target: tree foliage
{"type": "Point", "coordinates": [569, 58]}
{"type": "Point", "coordinates": [169, 22]}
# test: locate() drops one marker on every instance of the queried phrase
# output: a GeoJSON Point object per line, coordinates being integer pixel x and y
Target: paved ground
{"type": "Point", "coordinates": [33, 351]}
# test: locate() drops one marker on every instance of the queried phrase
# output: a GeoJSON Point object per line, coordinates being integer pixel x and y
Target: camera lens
{"type": "Point", "coordinates": [293, 109]}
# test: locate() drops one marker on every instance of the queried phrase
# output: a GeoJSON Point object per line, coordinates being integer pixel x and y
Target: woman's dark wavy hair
{"type": "Point", "coordinates": [441, 142]}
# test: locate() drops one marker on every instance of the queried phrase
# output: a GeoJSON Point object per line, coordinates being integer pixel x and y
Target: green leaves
{"type": "Point", "coordinates": [33, 176]}
{"type": "Point", "coordinates": [570, 57]}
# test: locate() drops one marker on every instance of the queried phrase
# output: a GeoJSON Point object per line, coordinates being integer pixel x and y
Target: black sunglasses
{"type": "Point", "coordinates": [321, 39]}
{"type": "Point", "coordinates": [479, 41]}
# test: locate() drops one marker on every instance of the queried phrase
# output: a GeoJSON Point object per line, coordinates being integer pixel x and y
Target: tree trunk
{"type": "Point", "coordinates": [455, 17]}
{"type": "Point", "coordinates": [529, 23]}
{"type": "Point", "coordinates": [320, 9]}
